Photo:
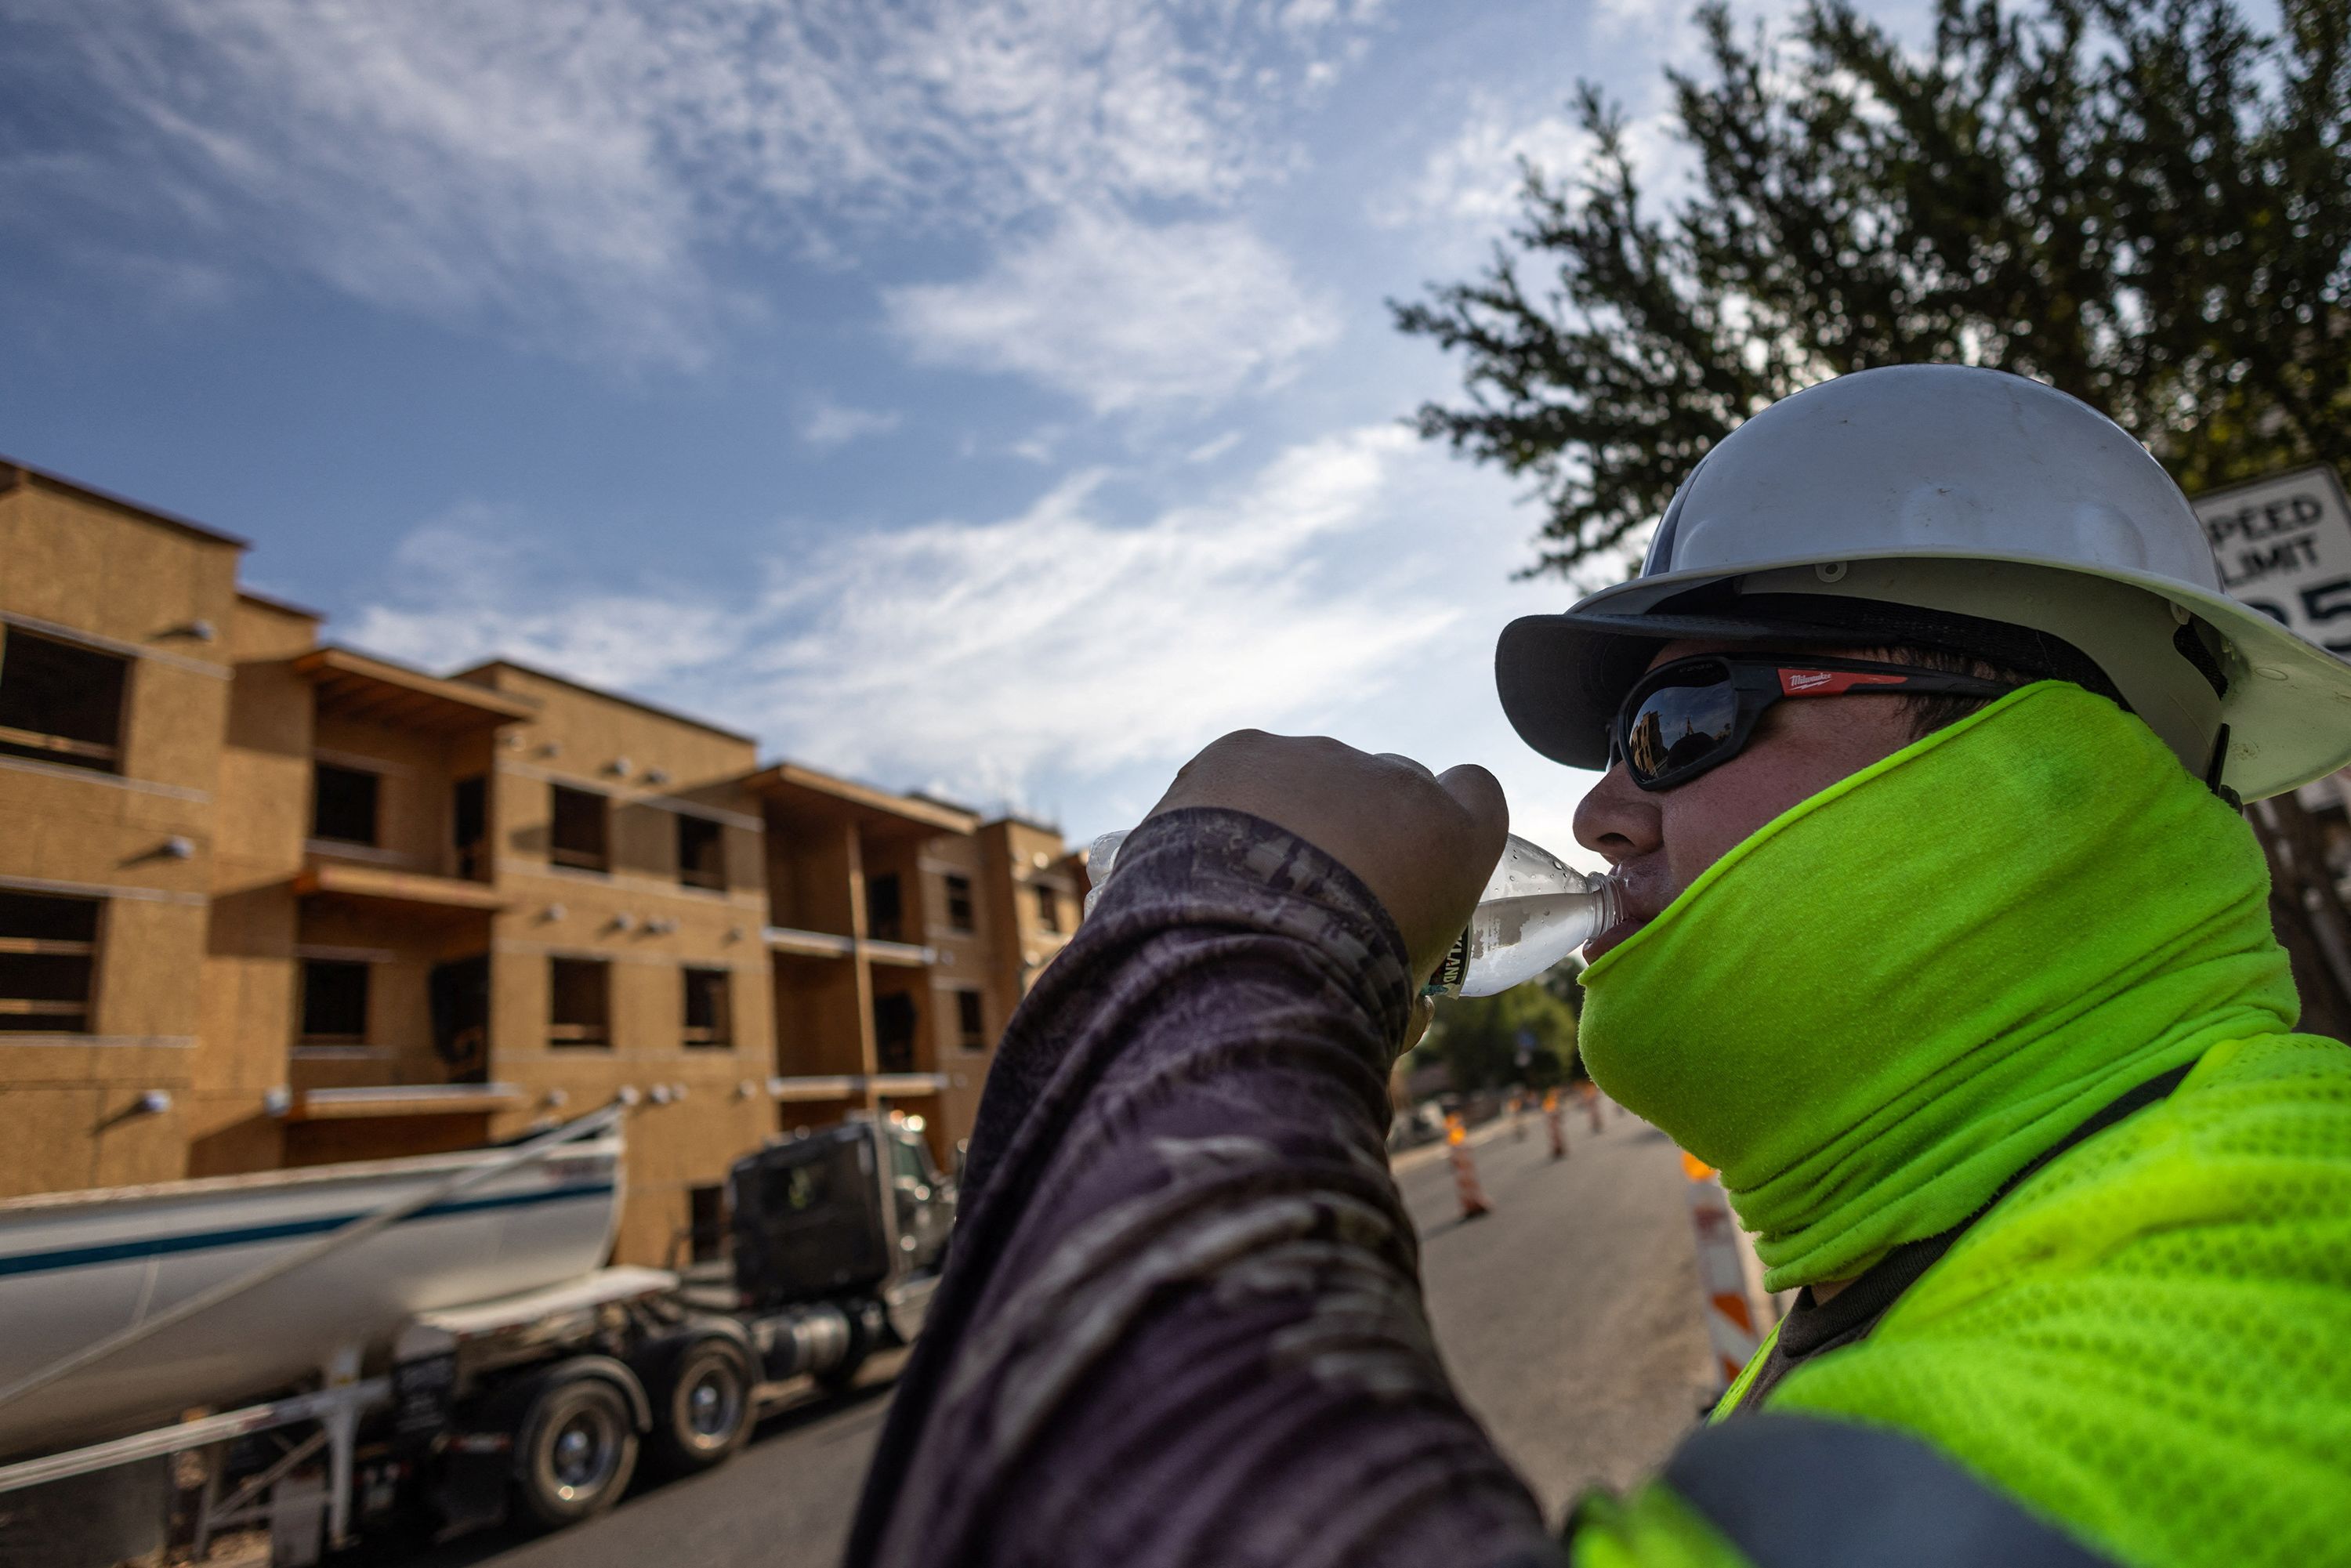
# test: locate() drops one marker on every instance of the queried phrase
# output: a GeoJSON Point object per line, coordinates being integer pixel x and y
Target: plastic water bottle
{"type": "Point", "coordinates": [1535, 911]}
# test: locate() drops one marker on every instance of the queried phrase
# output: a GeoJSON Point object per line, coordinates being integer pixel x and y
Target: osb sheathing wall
{"type": "Point", "coordinates": [1020, 857]}
{"type": "Point", "coordinates": [814, 866]}
{"type": "Point", "coordinates": [824, 1021]}
{"type": "Point", "coordinates": [962, 965]}
{"type": "Point", "coordinates": [251, 983]}
{"type": "Point", "coordinates": [138, 587]}
{"type": "Point", "coordinates": [416, 771]}
{"type": "Point", "coordinates": [577, 740]}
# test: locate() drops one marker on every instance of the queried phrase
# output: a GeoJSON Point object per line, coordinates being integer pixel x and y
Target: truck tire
{"type": "Point", "coordinates": [576, 1448]}
{"type": "Point", "coordinates": [701, 1388]}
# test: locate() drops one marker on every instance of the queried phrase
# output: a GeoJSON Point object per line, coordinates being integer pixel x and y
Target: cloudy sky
{"type": "Point", "coordinates": [988, 397]}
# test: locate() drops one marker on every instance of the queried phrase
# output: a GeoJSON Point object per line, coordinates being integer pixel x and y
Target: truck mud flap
{"type": "Point", "coordinates": [470, 1490]}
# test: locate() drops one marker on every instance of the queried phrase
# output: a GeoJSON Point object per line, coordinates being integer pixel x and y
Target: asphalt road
{"type": "Point", "coordinates": [1569, 1318]}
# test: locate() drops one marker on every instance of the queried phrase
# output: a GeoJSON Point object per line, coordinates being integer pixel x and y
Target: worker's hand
{"type": "Point", "coordinates": [1424, 843]}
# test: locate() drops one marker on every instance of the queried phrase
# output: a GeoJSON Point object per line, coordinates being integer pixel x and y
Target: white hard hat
{"type": "Point", "coordinates": [1953, 507]}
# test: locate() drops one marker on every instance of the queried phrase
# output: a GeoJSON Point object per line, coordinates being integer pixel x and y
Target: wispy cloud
{"type": "Point", "coordinates": [1068, 652]}
{"type": "Point", "coordinates": [827, 424]}
{"type": "Point", "coordinates": [482, 584]}
{"type": "Point", "coordinates": [1041, 445]}
{"type": "Point", "coordinates": [985, 656]}
{"type": "Point", "coordinates": [1118, 313]}
{"type": "Point", "coordinates": [567, 167]}
{"type": "Point", "coordinates": [1059, 634]}
{"type": "Point", "coordinates": [1471, 183]}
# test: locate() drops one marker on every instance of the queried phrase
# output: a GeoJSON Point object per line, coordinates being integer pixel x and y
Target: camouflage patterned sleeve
{"type": "Point", "coordinates": [1181, 1321]}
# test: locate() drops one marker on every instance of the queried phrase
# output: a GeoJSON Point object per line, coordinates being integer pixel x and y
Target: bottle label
{"type": "Point", "coordinates": [1447, 981]}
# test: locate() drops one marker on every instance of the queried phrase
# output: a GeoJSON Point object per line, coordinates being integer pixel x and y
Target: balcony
{"type": "Point", "coordinates": [407, 891]}
{"type": "Point", "coordinates": [800, 944]}
{"type": "Point", "coordinates": [856, 1086]}
{"type": "Point", "coordinates": [402, 1099]}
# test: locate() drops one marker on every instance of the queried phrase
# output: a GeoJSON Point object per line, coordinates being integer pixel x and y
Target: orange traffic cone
{"type": "Point", "coordinates": [1465, 1171]}
{"type": "Point", "coordinates": [1734, 1318]}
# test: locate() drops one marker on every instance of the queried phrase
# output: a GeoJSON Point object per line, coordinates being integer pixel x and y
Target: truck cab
{"type": "Point", "coordinates": [838, 1234]}
{"type": "Point", "coordinates": [924, 1200]}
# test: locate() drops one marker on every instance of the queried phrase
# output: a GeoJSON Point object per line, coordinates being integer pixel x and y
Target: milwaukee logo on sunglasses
{"type": "Point", "coordinates": [1828, 683]}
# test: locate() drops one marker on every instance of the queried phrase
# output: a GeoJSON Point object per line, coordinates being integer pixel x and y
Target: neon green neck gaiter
{"type": "Point", "coordinates": [1888, 999]}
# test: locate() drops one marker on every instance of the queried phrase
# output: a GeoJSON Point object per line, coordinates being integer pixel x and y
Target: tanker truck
{"type": "Point", "coordinates": [432, 1344]}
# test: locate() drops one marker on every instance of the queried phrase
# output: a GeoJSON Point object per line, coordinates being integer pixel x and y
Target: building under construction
{"type": "Point", "coordinates": [265, 901]}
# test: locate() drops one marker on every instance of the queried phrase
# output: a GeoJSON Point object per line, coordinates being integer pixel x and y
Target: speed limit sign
{"type": "Point", "coordinates": [2283, 545]}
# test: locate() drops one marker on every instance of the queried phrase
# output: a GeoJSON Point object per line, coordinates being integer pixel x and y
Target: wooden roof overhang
{"type": "Point", "coordinates": [360, 686]}
{"type": "Point", "coordinates": [802, 791]}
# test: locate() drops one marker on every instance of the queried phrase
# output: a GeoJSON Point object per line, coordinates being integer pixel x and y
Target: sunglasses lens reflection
{"type": "Point", "coordinates": [1678, 725]}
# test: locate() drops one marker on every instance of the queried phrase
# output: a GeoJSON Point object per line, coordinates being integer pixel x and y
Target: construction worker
{"type": "Point", "coordinates": [1923, 729]}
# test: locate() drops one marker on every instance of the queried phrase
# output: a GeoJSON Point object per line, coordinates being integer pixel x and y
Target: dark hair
{"type": "Point", "coordinates": [1932, 712]}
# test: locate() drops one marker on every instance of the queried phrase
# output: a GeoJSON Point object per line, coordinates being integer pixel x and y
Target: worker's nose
{"type": "Point", "coordinates": [1619, 820]}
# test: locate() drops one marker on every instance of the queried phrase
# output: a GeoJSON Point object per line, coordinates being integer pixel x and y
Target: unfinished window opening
{"type": "Point", "coordinates": [971, 1023]}
{"type": "Point", "coordinates": [708, 1013]}
{"type": "Point", "coordinates": [334, 1002]}
{"type": "Point", "coordinates": [576, 836]}
{"type": "Point", "coordinates": [701, 852]}
{"type": "Point", "coordinates": [959, 905]}
{"type": "Point", "coordinates": [48, 957]}
{"type": "Point", "coordinates": [343, 803]}
{"type": "Point", "coordinates": [469, 827]}
{"type": "Point", "coordinates": [458, 996]}
{"type": "Point", "coordinates": [60, 703]}
{"type": "Point", "coordinates": [885, 918]}
{"type": "Point", "coordinates": [1049, 908]}
{"type": "Point", "coordinates": [578, 1002]}
{"type": "Point", "coordinates": [893, 1031]}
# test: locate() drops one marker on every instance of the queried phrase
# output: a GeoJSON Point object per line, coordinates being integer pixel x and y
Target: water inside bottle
{"type": "Point", "coordinates": [1535, 911]}
{"type": "Point", "coordinates": [1512, 940]}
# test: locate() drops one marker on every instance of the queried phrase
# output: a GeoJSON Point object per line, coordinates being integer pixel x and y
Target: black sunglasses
{"type": "Point", "coordinates": [1682, 719]}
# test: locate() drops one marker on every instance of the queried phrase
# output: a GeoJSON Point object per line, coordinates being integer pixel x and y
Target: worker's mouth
{"type": "Point", "coordinates": [1638, 911]}
{"type": "Point", "coordinates": [1613, 935]}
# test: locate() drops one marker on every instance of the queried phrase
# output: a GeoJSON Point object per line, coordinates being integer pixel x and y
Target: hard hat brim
{"type": "Point", "coordinates": [1560, 676]}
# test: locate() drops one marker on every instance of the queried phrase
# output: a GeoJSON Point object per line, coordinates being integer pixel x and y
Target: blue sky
{"type": "Point", "coordinates": [990, 398]}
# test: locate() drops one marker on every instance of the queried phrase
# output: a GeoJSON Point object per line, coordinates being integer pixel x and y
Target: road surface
{"type": "Point", "coordinates": [1570, 1317]}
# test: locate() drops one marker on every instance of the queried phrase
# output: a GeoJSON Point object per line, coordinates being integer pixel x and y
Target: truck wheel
{"type": "Point", "coordinates": [702, 1405]}
{"type": "Point", "coordinates": [576, 1451]}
